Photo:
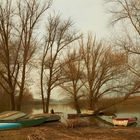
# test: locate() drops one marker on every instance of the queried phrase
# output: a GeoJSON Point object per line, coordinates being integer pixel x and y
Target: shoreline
{"type": "Point", "coordinates": [57, 131]}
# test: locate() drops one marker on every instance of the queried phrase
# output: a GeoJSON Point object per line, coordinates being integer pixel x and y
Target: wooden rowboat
{"type": "Point", "coordinates": [28, 121]}
{"type": "Point", "coordinates": [12, 115]}
{"type": "Point", "coordinates": [49, 117]}
{"type": "Point", "coordinates": [124, 121]}
{"type": "Point", "coordinates": [25, 122]}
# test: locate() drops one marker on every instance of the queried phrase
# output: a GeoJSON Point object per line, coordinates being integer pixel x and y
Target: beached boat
{"type": "Point", "coordinates": [31, 120]}
{"type": "Point", "coordinates": [5, 126]}
{"type": "Point", "coordinates": [86, 113]}
{"type": "Point", "coordinates": [48, 117]}
{"type": "Point", "coordinates": [37, 119]}
{"type": "Point", "coordinates": [23, 122]}
{"type": "Point", "coordinates": [17, 119]}
{"type": "Point", "coordinates": [124, 121]}
{"type": "Point", "coordinates": [12, 115]}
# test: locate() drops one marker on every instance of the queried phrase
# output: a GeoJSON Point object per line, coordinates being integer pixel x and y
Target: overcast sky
{"type": "Point", "coordinates": [88, 15]}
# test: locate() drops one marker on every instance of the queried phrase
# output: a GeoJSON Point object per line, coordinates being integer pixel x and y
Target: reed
{"type": "Point", "coordinates": [74, 123]}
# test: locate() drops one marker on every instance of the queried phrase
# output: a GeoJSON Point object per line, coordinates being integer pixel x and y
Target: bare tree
{"type": "Point", "coordinates": [8, 52]}
{"type": "Point", "coordinates": [29, 13]}
{"type": "Point", "coordinates": [72, 71]}
{"type": "Point", "coordinates": [103, 70]}
{"type": "Point", "coordinates": [17, 42]}
{"type": "Point", "coordinates": [59, 35]}
{"type": "Point", "coordinates": [128, 11]}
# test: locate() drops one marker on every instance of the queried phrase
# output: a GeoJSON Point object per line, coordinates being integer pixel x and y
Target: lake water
{"type": "Point", "coordinates": [66, 109]}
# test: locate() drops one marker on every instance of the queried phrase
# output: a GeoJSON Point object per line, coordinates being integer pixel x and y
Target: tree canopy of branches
{"type": "Point", "coordinates": [59, 35]}
{"type": "Point", "coordinates": [17, 42]}
{"type": "Point", "coordinates": [72, 81]}
{"type": "Point", "coordinates": [128, 11]}
{"type": "Point", "coordinates": [103, 70]}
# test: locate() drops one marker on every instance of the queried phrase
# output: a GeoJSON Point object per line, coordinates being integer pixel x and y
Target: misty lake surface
{"type": "Point", "coordinates": [64, 109]}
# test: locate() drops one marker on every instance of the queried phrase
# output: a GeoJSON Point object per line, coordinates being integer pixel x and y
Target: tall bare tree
{"type": "Point", "coordinates": [102, 68]}
{"type": "Point", "coordinates": [29, 13]}
{"type": "Point", "coordinates": [8, 52]}
{"type": "Point", "coordinates": [128, 11]}
{"type": "Point", "coordinates": [17, 41]}
{"type": "Point", "coordinates": [59, 35]}
{"type": "Point", "coordinates": [72, 82]}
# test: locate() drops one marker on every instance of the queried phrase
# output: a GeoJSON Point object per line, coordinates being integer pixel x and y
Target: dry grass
{"type": "Point", "coordinates": [55, 131]}
{"type": "Point", "coordinates": [74, 123]}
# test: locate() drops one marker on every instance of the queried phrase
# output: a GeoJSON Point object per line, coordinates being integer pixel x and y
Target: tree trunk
{"type": "Point", "coordinates": [95, 106]}
{"type": "Point", "coordinates": [12, 98]}
{"type": "Point", "coordinates": [77, 107]}
{"type": "Point", "coordinates": [21, 88]}
{"type": "Point", "coordinates": [91, 100]}
{"type": "Point", "coordinates": [49, 91]}
{"type": "Point", "coordinates": [42, 92]}
{"type": "Point", "coordinates": [91, 103]}
{"type": "Point", "coordinates": [47, 102]}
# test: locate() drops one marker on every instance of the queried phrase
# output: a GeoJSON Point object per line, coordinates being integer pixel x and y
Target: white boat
{"type": "Point", "coordinates": [124, 121]}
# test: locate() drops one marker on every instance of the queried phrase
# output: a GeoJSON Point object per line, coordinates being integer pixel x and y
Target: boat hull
{"type": "Point", "coordinates": [48, 117]}
{"type": "Point", "coordinates": [38, 119]}
{"type": "Point", "coordinates": [33, 120]}
{"type": "Point", "coordinates": [7, 126]}
{"type": "Point", "coordinates": [124, 121]}
{"type": "Point", "coordinates": [11, 115]}
{"type": "Point", "coordinates": [25, 122]}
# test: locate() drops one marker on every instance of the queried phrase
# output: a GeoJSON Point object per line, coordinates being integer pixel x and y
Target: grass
{"type": "Point", "coordinates": [55, 131]}
{"type": "Point", "coordinates": [75, 123]}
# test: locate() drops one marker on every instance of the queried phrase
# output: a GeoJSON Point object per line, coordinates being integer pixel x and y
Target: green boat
{"type": "Point", "coordinates": [32, 120]}
{"type": "Point", "coordinates": [27, 122]}
{"type": "Point", "coordinates": [38, 119]}
{"type": "Point", "coordinates": [12, 115]}
{"type": "Point", "coordinates": [7, 126]}
{"type": "Point", "coordinates": [49, 117]}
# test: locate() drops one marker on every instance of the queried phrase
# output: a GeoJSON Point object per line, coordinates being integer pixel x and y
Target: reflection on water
{"type": "Point", "coordinates": [65, 109]}
{"type": "Point", "coordinates": [62, 109]}
{"type": "Point", "coordinates": [103, 121]}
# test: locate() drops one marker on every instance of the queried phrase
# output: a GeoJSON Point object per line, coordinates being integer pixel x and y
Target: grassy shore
{"type": "Point", "coordinates": [58, 131]}
{"type": "Point", "coordinates": [77, 130]}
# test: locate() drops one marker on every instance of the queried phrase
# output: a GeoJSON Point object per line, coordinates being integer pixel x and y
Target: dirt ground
{"type": "Point", "coordinates": [57, 131]}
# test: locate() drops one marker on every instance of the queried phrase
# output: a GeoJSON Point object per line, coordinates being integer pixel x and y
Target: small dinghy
{"type": "Point", "coordinates": [124, 121]}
